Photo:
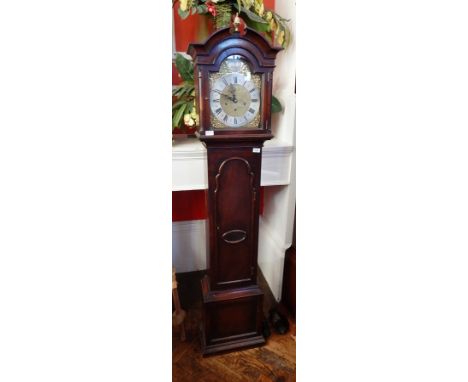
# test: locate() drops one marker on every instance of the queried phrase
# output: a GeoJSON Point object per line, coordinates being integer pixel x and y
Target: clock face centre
{"type": "Point", "coordinates": [235, 100]}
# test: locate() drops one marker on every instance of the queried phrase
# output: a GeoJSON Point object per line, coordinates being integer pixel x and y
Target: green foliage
{"type": "Point", "coordinates": [183, 14]}
{"type": "Point", "coordinates": [202, 9]}
{"type": "Point", "coordinates": [255, 17]}
{"type": "Point", "coordinates": [183, 90]}
{"type": "Point", "coordinates": [184, 67]}
{"type": "Point", "coordinates": [275, 105]}
{"type": "Point", "coordinates": [184, 93]}
{"type": "Point", "coordinates": [177, 114]}
{"type": "Point", "coordinates": [282, 27]}
{"type": "Point", "coordinates": [259, 27]}
{"type": "Point", "coordinates": [223, 15]}
{"type": "Point", "coordinates": [239, 5]}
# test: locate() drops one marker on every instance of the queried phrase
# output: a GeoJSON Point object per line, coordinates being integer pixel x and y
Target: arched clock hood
{"type": "Point", "coordinates": [208, 58]}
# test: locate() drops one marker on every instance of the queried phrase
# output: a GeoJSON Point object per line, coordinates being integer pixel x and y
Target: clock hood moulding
{"type": "Point", "coordinates": [208, 52]}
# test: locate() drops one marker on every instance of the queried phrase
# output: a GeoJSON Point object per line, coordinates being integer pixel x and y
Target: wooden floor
{"type": "Point", "coordinates": [276, 361]}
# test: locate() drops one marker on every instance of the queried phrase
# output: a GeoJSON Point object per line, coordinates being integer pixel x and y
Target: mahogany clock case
{"type": "Point", "coordinates": [232, 299]}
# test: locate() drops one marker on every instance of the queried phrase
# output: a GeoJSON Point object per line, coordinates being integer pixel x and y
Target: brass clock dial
{"type": "Point", "coordinates": [235, 95]}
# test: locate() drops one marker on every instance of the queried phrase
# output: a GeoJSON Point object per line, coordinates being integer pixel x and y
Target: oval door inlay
{"type": "Point", "coordinates": [234, 236]}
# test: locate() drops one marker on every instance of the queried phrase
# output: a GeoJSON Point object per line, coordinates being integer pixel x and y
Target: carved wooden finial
{"type": "Point", "coordinates": [237, 22]}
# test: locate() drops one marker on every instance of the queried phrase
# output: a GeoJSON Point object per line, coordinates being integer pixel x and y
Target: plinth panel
{"type": "Point", "coordinates": [232, 319]}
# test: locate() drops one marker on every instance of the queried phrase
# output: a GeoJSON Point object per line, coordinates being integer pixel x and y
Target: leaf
{"type": "Point", "coordinates": [175, 105]}
{"type": "Point", "coordinates": [259, 27]}
{"type": "Point", "coordinates": [179, 91]}
{"type": "Point", "coordinates": [178, 115]}
{"type": "Point", "coordinates": [189, 107]}
{"type": "Point", "coordinates": [184, 67]}
{"type": "Point", "coordinates": [275, 105]}
{"type": "Point", "coordinates": [183, 14]}
{"type": "Point", "coordinates": [253, 16]}
{"type": "Point", "coordinates": [279, 17]}
{"type": "Point", "coordinates": [184, 89]}
{"type": "Point", "coordinates": [282, 26]}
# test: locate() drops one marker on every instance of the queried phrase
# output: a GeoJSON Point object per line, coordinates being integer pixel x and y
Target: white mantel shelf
{"type": "Point", "coordinates": [189, 164]}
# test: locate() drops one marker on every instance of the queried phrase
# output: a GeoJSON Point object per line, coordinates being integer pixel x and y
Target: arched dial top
{"type": "Point", "coordinates": [235, 95]}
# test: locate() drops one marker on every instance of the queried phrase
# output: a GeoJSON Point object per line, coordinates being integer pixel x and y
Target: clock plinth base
{"type": "Point", "coordinates": [231, 346]}
{"type": "Point", "coordinates": [232, 319]}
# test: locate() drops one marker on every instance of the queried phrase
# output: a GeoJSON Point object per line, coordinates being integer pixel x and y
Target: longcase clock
{"type": "Point", "coordinates": [233, 84]}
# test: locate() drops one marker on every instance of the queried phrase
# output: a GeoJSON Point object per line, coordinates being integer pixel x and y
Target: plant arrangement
{"type": "Point", "coordinates": [183, 105]}
{"type": "Point", "coordinates": [183, 95]}
{"type": "Point", "coordinates": [226, 13]}
{"type": "Point", "coordinates": [249, 12]}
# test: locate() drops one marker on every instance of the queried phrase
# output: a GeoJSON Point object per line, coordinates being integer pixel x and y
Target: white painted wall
{"type": "Point", "coordinates": [189, 164]}
{"type": "Point", "coordinates": [189, 245]}
{"type": "Point", "coordinates": [276, 227]}
{"type": "Point", "coordinates": [276, 230]}
{"type": "Point", "coordinates": [284, 78]}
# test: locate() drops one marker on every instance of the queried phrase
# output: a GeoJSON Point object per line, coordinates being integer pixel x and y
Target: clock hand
{"type": "Point", "coordinates": [232, 89]}
{"type": "Point", "coordinates": [234, 95]}
{"type": "Point", "coordinates": [225, 95]}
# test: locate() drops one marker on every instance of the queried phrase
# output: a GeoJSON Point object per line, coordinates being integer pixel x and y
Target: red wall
{"type": "Point", "coordinates": [188, 205]}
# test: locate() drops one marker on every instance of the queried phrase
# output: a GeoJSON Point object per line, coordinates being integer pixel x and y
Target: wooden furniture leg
{"type": "Point", "coordinates": [178, 315]}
